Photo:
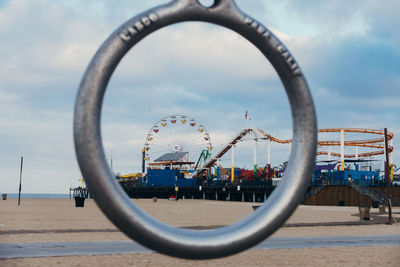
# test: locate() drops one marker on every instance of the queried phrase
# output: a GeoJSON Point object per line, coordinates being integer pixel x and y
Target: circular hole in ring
{"type": "Point", "coordinates": [206, 3]}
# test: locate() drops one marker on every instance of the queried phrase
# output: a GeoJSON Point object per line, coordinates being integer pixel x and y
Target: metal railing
{"type": "Point", "coordinates": [373, 194]}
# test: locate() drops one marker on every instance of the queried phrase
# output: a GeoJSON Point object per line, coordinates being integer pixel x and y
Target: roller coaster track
{"type": "Point", "coordinates": [273, 139]}
{"type": "Point", "coordinates": [372, 143]}
{"type": "Point", "coordinates": [214, 159]}
{"type": "Point", "coordinates": [260, 134]}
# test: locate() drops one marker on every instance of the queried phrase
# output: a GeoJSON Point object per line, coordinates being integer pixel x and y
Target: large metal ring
{"type": "Point", "coordinates": [109, 195]}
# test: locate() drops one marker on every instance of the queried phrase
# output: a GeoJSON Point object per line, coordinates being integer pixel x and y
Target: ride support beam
{"type": "Point", "coordinates": [342, 150]}
{"type": "Point", "coordinates": [387, 177]}
{"type": "Point", "coordinates": [329, 153]}
{"type": "Point", "coordinates": [233, 164]}
{"type": "Point", "coordinates": [391, 160]}
{"type": "Point", "coordinates": [269, 159]}
{"type": "Point", "coordinates": [255, 158]}
{"type": "Point", "coordinates": [218, 175]}
{"type": "Point", "coordinates": [356, 157]}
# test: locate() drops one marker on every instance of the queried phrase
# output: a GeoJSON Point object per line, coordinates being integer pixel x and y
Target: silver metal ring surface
{"type": "Point", "coordinates": [111, 198]}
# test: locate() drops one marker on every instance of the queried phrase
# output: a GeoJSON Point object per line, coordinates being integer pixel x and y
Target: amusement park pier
{"type": "Point", "coordinates": [179, 159]}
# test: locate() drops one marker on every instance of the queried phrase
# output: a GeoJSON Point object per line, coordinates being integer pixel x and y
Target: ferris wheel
{"type": "Point", "coordinates": [176, 133]}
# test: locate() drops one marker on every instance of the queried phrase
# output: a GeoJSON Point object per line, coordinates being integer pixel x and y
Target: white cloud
{"type": "Point", "coordinates": [195, 49]}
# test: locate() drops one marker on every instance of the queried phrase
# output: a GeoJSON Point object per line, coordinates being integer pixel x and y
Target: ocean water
{"type": "Point", "coordinates": [30, 195]}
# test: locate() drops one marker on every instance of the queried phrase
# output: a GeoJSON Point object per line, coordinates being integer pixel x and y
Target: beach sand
{"type": "Point", "coordinates": [58, 220]}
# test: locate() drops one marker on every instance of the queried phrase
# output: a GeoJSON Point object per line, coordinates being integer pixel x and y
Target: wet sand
{"type": "Point", "coordinates": [58, 220]}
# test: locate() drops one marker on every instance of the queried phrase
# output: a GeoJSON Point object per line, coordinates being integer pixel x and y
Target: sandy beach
{"type": "Point", "coordinates": [58, 220]}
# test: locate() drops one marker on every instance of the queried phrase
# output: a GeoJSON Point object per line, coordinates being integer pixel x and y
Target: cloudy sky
{"type": "Point", "coordinates": [348, 50]}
